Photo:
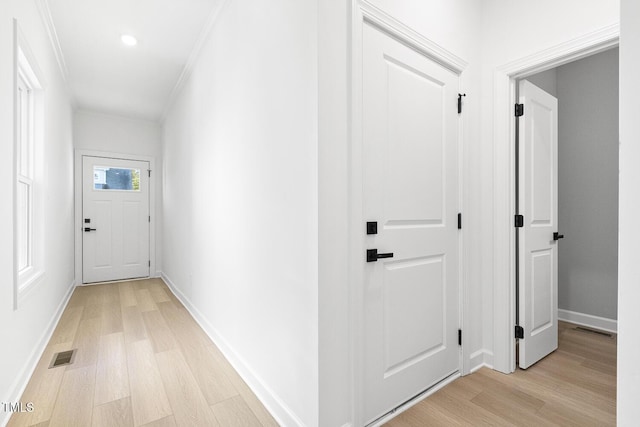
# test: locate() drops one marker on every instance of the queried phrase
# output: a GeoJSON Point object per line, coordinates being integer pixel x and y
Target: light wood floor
{"type": "Point", "coordinates": [574, 386]}
{"type": "Point", "coordinates": [141, 360]}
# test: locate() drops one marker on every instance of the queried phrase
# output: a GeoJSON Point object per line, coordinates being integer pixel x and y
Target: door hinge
{"type": "Point", "coordinates": [519, 221]}
{"type": "Point", "coordinates": [460, 95]}
{"type": "Point", "coordinates": [459, 336]}
{"type": "Point", "coordinates": [149, 170]}
{"type": "Point", "coordinates": [519, 110]}
{"type": "Point", "coordinates": [149, 263]}
{"type": "Point", "coordinates": [459, 221]}
{"type": "Point", "coordinates": [519, 332]}
{"type": "Point", "coordinates": [149, 218]}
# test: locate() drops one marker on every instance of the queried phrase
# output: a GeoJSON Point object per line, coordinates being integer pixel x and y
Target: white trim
{"type": "Point", "coordinates": [27, 69]}
{"type": "Point", "coordinates": [29, 367]}
{"type": "Point", "coordinates": [193, 57]}
{"type": "Point", "coordinates": [271, 401]}
{"type": "Point", "coordinates": [583, 319]}
{"type": "Point", "coordinates": [386, 418]}
{"type": "Point", "coordinates": [79, 153]}
{"type": "Point", "coordinates": [380, 19]}
{"type": "Point", "coordinates": [482, 358]}
{"type": "Point", "coordinates": [363, 13]}
{"type": "Point", "coordinates": [504, 179]}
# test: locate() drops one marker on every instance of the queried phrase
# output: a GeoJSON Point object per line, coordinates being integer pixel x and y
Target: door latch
{"type": "Point", "coordinates": [373, 255]}
{"type": "Point", "coordinates": [557, 236]}
{"type": "Point", "coordinates": [87, 229]}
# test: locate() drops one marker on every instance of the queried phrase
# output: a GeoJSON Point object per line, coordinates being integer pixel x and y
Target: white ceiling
{"type": "Point", "coordinates": [104, 74]}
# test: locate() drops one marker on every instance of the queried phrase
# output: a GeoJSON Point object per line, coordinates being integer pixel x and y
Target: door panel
{"type": "Point", "coordinates": [539, 205]}
{"type": "Point", "coordinates": [410, 187]}
{"type": "Point", "coordinates": [115, 201]}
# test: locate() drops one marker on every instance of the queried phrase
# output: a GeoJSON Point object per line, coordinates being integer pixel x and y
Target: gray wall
{"type": "Point", "coordinates": [587, 92]}
{"type": "Point", "coordinates": [547, 81]}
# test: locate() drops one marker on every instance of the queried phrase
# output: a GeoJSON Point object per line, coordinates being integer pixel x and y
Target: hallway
{"type": "Point", "coordinates": [141, 359]}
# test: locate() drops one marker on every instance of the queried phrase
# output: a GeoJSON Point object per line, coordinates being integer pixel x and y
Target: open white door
{"type": "Point", "coordinates": [410, 192]}
{"type": "Point", "coordinates": [115, 211]}
{"type": "Point", "coordinates": [538, 251]}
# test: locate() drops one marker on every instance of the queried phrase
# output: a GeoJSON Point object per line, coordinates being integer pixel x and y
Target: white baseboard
{"type": "Point", "coordinates": [276, 407]}
{"type": "Point", "coordinates": [29, 367]}
{"type": "Point", "coordinates": [480, 359]}
{"type": "Point", "coordinates": [595, 322]}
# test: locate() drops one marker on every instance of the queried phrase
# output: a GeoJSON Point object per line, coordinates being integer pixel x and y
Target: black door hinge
{"type": "Point", "coordinates": [519, 110]}
{"type": "Point", "coordinates": [519, 332]}
{"type": "Point", "coordinates": [519, 221]}
{"type": "Point", "coordinates": [149, 218]}
{"type": "Point", "coordinates": [149, 170]}
{"type": "Point", "coordinates": [459, 336]}
{"type": "Point", "coordinates": [459, 221]}
{"type": "Point", "coordinates": [149, 263]}
{"type": "Point", "coordinates": [460, 95]}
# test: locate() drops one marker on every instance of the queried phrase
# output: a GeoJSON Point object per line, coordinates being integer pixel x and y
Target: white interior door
{"type": "Point", "coordinates": [538, 251]}
{"type": "Point", "coordinates": [115, 212]}
{"type": "Point", "coordinates": [410, 183]}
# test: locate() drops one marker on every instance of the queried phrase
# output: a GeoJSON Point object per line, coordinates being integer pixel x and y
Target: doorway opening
{"type": "Point", "coordinates": [579, 283]}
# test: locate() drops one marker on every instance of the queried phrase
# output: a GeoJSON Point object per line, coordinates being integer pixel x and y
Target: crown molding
{"type": "Point", "coordinates": [387, 23]}
{"type": "Point", "coordinates": [193, 57]}
{"type": "Point", "coordinates": [47, 20]}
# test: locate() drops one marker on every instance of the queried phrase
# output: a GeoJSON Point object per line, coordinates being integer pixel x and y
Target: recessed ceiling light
{"type": "Point", "coordinates": [129, 40]}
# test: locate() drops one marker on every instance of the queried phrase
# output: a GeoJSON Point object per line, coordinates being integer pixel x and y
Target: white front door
{"type": "Point", "coordinates": [538, 251]}
{"type": "Point", "coordinates": [410, 189]}
{"type": "Point", "coordinates": [115, 225]}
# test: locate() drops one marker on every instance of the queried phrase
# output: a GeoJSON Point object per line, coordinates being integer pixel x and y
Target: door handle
{"type": "Point", "coordinates": [87, 229]}
{"type": "Point", "coordinates": [373, 255]}
{"type": "Point", "coordinates": [557, 236]}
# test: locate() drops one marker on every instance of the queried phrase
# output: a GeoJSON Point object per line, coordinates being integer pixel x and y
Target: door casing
{"type": "Point", "coordinates": [365, 13]}
{"type": "Point", "coordinates": [78, 154]}
{"type": "Point", "coordinates": [505, 81]}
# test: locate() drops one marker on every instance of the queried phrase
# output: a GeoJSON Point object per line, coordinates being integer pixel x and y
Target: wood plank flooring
{"type": "Point", "coordinates": [574, 386]}
{"type": "Point", "coordinates": [141, 361]}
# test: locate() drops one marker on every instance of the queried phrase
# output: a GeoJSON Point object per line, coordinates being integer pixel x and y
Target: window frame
{"type": "Point", "coordinates": [28, 170]}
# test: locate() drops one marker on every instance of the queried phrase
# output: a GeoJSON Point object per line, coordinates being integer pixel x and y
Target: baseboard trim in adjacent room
{"type": "Point", "coordinates": [20, 384]}
{"type": "Point", "coordinates": [595, 322]}
{"type": "Point", "coordinates": [276, 407]}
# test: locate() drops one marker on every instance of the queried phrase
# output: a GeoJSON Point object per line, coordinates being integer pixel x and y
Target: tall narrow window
{"type": "Point", "coordinates": [24, 171]}
{"type": "Point", "coordinates": [28, 215]}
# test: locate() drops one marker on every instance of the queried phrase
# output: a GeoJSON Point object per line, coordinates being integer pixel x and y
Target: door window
{"type": "Point", "coordinates": [112, 178]}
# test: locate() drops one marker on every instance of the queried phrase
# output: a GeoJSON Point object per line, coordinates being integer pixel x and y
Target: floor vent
{"type": "Point", "coordinates": [593, 331]}
{"type": "Point", "coordinates": [63, 358]}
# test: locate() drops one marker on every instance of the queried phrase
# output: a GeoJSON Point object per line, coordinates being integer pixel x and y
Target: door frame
{"type": "Point", "coordinates": [505, 81]}
{"type": "Point", "coordinates": [78, 155]}
{"type": "Point", "coordinates": [364, 13]}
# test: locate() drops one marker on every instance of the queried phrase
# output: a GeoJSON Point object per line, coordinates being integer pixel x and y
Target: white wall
{"type": "Point", "coordinates": [588, 145]}
{"type": "Point", "coordinates": [629, 237]}
{"type": "Point", "coordinates": [96, 131]}
{"type": "Point", "coordinates": [334, 370]}
{"type": "Point", "coordinates": [24, 332]}
{"type": "Point", "coordinates": [241, 198]}
{"type": "Point", "coordinates": [511, 31]}
{"type": "Point", "coordinates": [105, 132]}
